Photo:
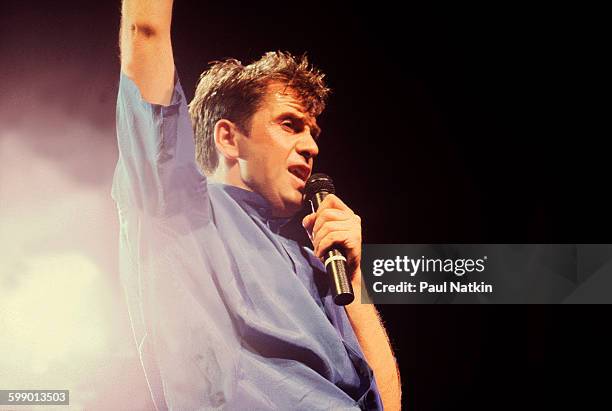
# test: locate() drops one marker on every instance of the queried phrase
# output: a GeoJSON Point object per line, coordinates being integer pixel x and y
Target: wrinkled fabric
{"type": "Point", "coordinates": [227, 312]}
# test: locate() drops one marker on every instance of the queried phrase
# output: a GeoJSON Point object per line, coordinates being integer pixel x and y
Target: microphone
{"type": "Point", "coordinates": [317, 187]}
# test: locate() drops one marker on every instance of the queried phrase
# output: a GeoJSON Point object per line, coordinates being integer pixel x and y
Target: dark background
{"type": "Point", "coordinates": [461, 124]}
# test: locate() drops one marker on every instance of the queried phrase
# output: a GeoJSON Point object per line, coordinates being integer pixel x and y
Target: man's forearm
{"type": "Point", "coordinates": [376, 347]}
{"type": "Point", "coordinates": [146, 50]}
{"type": "Point", "coordinates": [154, 15]}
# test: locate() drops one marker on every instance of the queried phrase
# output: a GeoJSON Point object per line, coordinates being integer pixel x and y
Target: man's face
{"type": "Point", "coordinates": [276, 157]}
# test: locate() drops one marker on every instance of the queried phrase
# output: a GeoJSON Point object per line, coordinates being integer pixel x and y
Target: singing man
{"type": "Point", "coordinates": [228, 312]}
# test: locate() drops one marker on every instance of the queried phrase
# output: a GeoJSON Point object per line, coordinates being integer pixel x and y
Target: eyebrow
{"type": "Point", "coordinates": [315, 129]}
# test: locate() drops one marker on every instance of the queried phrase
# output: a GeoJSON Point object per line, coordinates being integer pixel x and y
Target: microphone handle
{"type": "Point", "coordinates": [336, 266]}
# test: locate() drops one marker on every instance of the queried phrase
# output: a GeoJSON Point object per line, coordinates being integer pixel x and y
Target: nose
{"type": "Point", "coordinates": [307, 147]}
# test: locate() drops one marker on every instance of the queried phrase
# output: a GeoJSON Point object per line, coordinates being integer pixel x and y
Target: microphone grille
{"type": "Point", "coordinates": [318, 182]}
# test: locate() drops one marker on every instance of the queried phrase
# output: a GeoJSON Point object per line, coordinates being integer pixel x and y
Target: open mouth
{"type": "Point", "coordinates": [300, 172]}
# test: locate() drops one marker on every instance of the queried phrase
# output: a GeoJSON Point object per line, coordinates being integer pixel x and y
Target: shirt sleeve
{"type": "Point", "coordinates": [156, 173]}
{"type": "Point", "coordinates": [184, 335]}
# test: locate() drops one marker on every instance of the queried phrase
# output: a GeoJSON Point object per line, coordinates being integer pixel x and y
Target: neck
{"type": "Point", "coordinates": [230, 176]}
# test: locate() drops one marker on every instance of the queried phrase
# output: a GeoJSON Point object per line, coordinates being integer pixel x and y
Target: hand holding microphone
{"type": "Point", "coordinates": [336, 235]}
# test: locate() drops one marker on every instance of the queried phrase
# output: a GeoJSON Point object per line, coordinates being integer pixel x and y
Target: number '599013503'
{"type": "Point", "coordinates": [36, 396]}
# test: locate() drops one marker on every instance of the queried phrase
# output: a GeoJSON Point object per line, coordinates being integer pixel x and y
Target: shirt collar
{"type": "Point", "coordinates": [255, 204]}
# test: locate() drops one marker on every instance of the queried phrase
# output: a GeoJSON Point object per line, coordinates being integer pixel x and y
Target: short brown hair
{"type": "Point", "coordinates": [229, 90]}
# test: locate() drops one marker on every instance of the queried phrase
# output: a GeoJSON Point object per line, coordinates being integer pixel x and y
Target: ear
{"type": "Point", "coordinates": [226, 139]}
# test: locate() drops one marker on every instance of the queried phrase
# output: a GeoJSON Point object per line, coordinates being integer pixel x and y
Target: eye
{"type": "Point", "coordinates": [288, 124]}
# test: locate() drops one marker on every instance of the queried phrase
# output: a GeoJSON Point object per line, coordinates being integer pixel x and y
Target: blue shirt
{"type": "Point", "coordinates": [226, 311]}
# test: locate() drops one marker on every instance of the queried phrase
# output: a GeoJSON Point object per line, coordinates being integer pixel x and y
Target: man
{"type": "Point", "coordinates": [227, 312]}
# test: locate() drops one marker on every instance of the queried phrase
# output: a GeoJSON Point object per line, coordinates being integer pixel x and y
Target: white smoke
{"type": "Point", "coordinates": [63, 320]}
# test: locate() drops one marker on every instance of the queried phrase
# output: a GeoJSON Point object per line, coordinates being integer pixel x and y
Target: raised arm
{"type": "Point", "coordinates": [156, 173]}
{"type": "Point", "coordinates": [146, 48]}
